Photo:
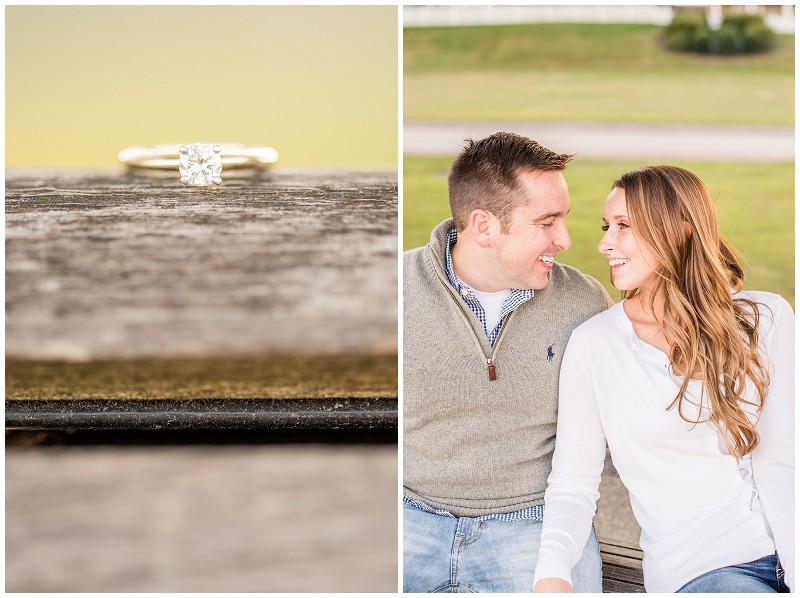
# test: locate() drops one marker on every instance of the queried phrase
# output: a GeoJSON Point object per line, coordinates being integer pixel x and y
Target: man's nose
{"type": "Point", "coordinates": [563, 240]}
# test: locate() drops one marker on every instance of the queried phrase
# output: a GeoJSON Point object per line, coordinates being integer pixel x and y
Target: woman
{"type": "Point", "coordinates": [691, 382]}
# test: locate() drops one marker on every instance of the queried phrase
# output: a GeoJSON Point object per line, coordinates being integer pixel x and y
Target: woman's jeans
{"type": "Point", "coordinates": [762, 575]}
{"type": "Point", "coordinates": [445, 554]}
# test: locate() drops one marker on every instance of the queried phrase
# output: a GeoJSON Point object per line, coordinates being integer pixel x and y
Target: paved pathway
{"type": "Point", "coordinates": [275, 518]}
{"type": "Point", "coordinates": [614, 141]}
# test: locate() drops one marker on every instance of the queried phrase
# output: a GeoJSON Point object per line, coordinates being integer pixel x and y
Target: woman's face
{"type": "Point", "coordinates": [633, 263]}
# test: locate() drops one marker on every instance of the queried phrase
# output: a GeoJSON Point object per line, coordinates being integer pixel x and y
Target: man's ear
{"type": "Point", "coordinates": [480, 227]}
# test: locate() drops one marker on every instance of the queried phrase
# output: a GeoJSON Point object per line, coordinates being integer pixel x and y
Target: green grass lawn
{"type": "Point", "coordinates": [755, 204]}
{"type": "Point", "coordinates": [577, 72]}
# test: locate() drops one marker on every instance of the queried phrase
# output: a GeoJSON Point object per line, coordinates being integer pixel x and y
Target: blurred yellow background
{"type": "Point", "coordinates": [318, 83]}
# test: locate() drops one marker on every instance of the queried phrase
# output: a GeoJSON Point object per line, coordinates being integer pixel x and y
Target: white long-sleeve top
{"type": "Point", "coordinates": [698, 507]}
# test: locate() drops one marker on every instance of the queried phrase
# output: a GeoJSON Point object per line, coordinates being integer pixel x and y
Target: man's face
{"type": "Point", "coordinates": [524, 255]}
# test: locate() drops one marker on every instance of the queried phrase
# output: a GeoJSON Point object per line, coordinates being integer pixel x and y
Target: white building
{"type": "Point", "coordinates": [779, 17]}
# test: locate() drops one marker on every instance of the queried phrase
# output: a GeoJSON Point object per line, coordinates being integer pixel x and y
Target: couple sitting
{"type": "Point", "coordinates": [518, 370]}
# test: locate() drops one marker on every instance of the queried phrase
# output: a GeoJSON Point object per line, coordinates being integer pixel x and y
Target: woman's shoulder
{"type": "Point", "coordinates": [775, 315]}
{"type": "Point", "coordinates": [607, 322]}
{"type": "Point", "coordinates": [768, 304]}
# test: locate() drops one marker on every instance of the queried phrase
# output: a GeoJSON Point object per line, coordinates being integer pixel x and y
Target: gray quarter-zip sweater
{"type": "Point", "coordinates": [479, 422]}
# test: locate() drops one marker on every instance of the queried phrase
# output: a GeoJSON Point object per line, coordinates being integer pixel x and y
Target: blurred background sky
{"type": "Point", "coordinates": [318, 83]}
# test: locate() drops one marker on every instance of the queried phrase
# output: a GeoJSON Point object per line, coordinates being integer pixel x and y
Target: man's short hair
{"type": "Point", "coordinates": [484, 175]}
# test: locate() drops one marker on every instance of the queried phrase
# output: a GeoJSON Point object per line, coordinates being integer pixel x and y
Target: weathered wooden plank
{"type": "Point", "coordinates": [613, 586]}
{"type": "Point", "coordinates": [623, 553]}
{"type": "Point", "coordinates": [130, 287]}
{"type": "Point", "coordinates": [620, 573]}
{"type": "Point", "coordinates": [619, 576]}
{"type": "Point", "coordinates": [107, 265]}
{"type": "Point", "coordinates": [206, 414]}
{"type": "Point", "coordinates": [622, 566]}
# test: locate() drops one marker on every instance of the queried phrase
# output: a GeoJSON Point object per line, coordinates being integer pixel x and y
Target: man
{"type": "Point", "coordinates": [487, 315]}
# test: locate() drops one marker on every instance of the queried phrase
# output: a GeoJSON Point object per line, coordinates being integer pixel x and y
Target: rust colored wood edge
{"type": "Point", "coordinates": [255, 377]}
{"type": "Point", "coordinates": [201, 414]}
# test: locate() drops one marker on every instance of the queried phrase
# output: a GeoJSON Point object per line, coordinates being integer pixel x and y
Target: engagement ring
{"type": "Point", "coordinates": [199, 164]}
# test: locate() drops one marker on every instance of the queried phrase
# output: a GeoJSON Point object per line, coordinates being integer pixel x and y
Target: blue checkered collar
{"type": "Point", "coordinates": [512, 302]}
{"type": "Point", "coordinates": [455, 281]}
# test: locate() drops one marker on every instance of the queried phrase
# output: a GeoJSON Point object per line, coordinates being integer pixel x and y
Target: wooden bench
{"type": "Point", "coordinates": [622, 567]}
{"type": "Point", "coordinates": [131, 301]}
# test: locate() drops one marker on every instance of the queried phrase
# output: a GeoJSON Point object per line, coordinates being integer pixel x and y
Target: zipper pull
{"type": "Point", "coordinates": [492, 371]}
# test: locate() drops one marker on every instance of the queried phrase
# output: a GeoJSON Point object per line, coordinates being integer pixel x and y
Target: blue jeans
{"type": "Point", "coordinates": [762, 575]}
{"type": "Point", "coordinates": [442, 554]}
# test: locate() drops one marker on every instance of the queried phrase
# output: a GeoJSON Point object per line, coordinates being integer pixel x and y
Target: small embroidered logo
{"type": "Point", "coordinates": [550, 353]}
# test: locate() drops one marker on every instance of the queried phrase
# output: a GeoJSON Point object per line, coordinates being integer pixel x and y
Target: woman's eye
{"type": "Point", "coordinates": [546, 224]}
{"type": "Point", "coordinates": [604, 228]}
{"type": "Point", "coordinates": [623, 225]}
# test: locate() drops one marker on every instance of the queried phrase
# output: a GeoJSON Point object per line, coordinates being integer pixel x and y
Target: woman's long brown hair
{"type": "Point", "coordinates": [714, 337]}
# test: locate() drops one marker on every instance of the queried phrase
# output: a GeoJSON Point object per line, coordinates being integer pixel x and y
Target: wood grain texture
{"type": "Point", "coordinates": [108, 265]}
{"type": "Point", "coordinates": [620, 574]}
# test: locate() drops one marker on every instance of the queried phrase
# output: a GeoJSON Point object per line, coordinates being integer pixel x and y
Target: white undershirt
{"type": "Point", "coordinates": [492, 304]}
{"type": "Point", "coordinates": [697, 510]}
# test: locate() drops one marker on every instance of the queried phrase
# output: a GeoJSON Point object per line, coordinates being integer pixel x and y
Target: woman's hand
{"type": "Point", "coordinates": [552, 584]}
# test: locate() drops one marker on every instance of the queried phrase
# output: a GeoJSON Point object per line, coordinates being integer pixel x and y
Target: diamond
{"type": "Point", "coordinates": [200, 164]}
